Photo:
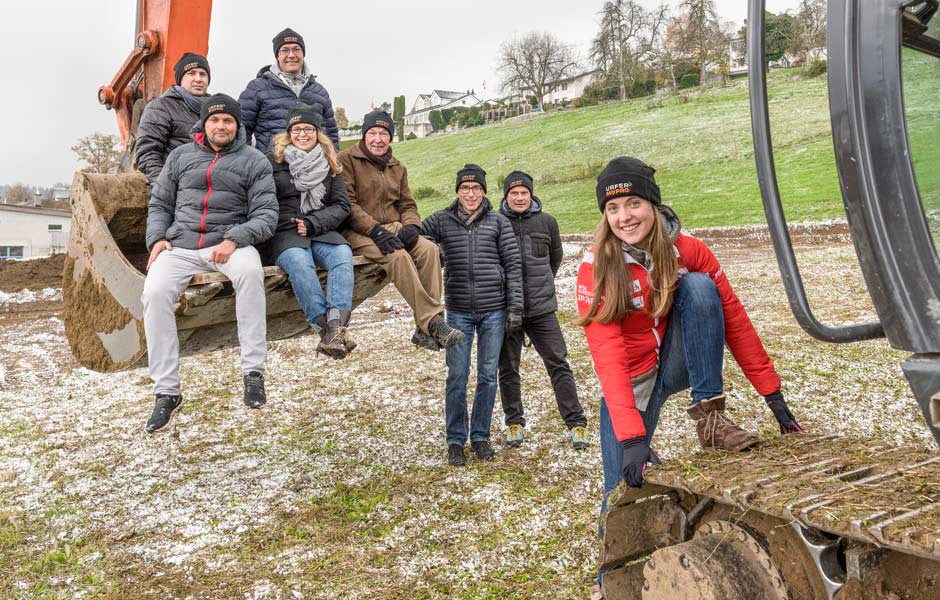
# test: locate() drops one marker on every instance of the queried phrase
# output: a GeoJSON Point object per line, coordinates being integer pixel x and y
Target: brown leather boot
{"type": "Point", "coordinates": [716, 430]}
{"type": "Point", "coordinates": [333, 341]}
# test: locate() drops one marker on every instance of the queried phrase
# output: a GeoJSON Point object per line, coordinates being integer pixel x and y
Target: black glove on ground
{"type": "Point", "coordinates": [636, 453]}
{"type": "Point", "coordinates": [409, 235]}
{"type": "Point", "coordinates": [513, 323]}
{"type": "Point", "coordinates": [782, 413]}
{"type": "Point", "coordinates": [386, 242]}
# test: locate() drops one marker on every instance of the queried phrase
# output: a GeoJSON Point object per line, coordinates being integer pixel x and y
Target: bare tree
{"type": "Point", "coordinates": [701, 35]}
{"type": "Point", "coordinates": [811, 26]}
{"type": "Point", "coordinates": [628, 41]}
{"type": "Point", "coordinates": [101, 153]}
{"type": "Point", "coordinates": [534, 63]}
{"type": "Point", "coordinates": [19, 193]}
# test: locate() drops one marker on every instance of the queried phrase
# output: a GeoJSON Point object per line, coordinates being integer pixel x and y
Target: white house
{"type": "Point", "coordinates": [567, 90]}
{"type": "Point", "coordinates": [418, 121]}
{"type": "Point", "coordinates": [32, 231]}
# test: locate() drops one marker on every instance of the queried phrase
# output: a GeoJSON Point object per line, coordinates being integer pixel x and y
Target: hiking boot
{"type": "Point", "coordinates": [579, 437]}
{"type": "Point", "coordinates": [333, 341]}
{"type": "Point", "coordinates": [423, 340]}
{"type": "Point", "coordinates": [254, 390]}
{"type": "Point", "coordinates": [483, 450]}
{"type": "Point", "coordinates": [444, 334]}
{"type": "Point", "coordinates": [514, 435]}
{"type": "Point", "coordinates": [716, 430]}
{"type": "Point", "coordinates": [455, 456]}
{"type": "Point", "coordinates": [163, 408]}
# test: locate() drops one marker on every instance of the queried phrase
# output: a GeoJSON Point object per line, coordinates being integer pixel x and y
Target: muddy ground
{"type": "Point", "coordinates": [338, 487]}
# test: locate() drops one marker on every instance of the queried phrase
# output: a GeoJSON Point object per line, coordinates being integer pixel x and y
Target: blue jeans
{"type": "Point", "coordinates": [489, 327]}
{"type": "Point", "coordinates": [691, 355]}
{"type": "Point", "coordinates": [301, 264]}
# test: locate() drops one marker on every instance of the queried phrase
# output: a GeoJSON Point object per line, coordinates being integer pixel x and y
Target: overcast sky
{"type": "Point", "coordinates": [54, 56]}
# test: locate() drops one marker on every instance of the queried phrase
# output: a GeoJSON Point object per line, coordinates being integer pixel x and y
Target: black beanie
{"type": "Point", "coordinates": [515, 179]}
{"type": "Point", "coordinates": [627, 176]}
{"type": "Point", "coordinates": [302, 113]}
{"type": "Point", "coordinates": [288, 36]}
{"type": "Point", "coordinates": [190, 60]}
{"type": "Point", "coordinates": [471, 173]}
{"type": "Point", "coordinates": [378, 118]}
{"type": "Point", "coordinates": [220, 103]}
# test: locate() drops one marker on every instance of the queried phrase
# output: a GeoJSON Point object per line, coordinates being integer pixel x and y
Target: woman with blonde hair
{"type": "Point", "coordinates": [313, 203]}
{"type": "Point", "coordinates": [657, 310]}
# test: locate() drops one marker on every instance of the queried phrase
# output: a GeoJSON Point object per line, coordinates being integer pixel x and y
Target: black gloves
{"type": "Point", "coordinates": [513, 323]}
{"type": "Point", "coordinates": [386, 242]}
{"type": "Point", "coordinates": [409, 236]}
{"type": "Point", "coordinates": [782, 412]}
{"type": "Point", "coordinates": [636, 453]}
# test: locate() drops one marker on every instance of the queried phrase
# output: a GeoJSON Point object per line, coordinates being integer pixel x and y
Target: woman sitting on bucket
{"type": "Point", "coordinates": [657, 310]}
{"type": "Point", "coordinates": [313, 203]}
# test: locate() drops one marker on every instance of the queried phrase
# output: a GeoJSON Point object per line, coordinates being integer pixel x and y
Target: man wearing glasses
{"type": "Point", "coordinates": [483, 295]}
{"type": "Point", "coordinates": [384, 227]}
{"type": "Point", "coordinates": [279, 87]}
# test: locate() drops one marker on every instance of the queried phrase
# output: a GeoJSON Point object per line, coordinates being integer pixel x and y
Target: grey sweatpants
{"type": "Point", "coordinates": [168, 276]}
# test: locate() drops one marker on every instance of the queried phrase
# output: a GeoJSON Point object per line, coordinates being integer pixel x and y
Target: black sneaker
{"type": "Point", "coordinates": [444, 334]}
{"type": "Point", "coordinates": [483, 450]}
{"type": "Point", "coordinates": [423, 340]}
{"type": "Point", "coordinates": [455, 457]}
{"type": "Point", "coordinates": [163, 409]}
{"type": "Point", "coordinates": [254, 390]}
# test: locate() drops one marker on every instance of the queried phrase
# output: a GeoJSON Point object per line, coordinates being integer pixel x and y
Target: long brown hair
{"type": "Point", "coordinates": [282, 141]}
{"type": "Point", "coordinates": [614, 283]}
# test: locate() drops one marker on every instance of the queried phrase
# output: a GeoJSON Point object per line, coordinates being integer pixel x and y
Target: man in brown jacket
{"type": "Point", "coordinates": [384, 227]}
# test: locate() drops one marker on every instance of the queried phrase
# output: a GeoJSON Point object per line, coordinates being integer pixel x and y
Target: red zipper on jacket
{"type": "Point", "coordinates": [205, 202]}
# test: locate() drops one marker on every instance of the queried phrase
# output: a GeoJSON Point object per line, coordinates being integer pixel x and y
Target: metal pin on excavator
{"type": "Point", "coordinates": [810, 518]}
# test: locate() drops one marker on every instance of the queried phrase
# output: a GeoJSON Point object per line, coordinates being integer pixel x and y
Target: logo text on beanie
{"type": "Point", "coordinates": [513, 184]}
{"type": "Point", "coordinates": [291, 39]}
{"type": "Point", "coordinates": [468, 178]}
{"type": "Point", "coordinates": [192, 65]}
{"type": "Point", "coordinates": [215, 108]}
{"type": "Point", "coordinates": [618, 189]}
{"type": "Point", "coordinates": [294, 120]}
{"type": "Point", "coordinates": [383, 124]}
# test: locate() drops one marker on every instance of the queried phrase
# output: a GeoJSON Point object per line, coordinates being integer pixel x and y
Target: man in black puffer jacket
{"type": "Point", "coordinates": [540, 245]}
{"type": "Point", "coordinates": [482, 295]}
{"type": "Point", "coordinates": [167, 121]}
{"type": "Point", "coordinates": [279, 87]}
{"type": "Point", "coordinates": [213, 201]}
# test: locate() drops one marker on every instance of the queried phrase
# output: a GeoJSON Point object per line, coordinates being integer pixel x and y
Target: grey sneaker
{"type": "Point", "coordinates": [163, 409]}
{"type": "Point", "coordinates": [254, 390]}
{"type": "Point", "coordinates": [515, 433]}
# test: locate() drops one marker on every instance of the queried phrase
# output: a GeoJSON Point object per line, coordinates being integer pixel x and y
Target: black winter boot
{"type": "Point", "coordinates": [163, 408]}
{"type": "Point", "coordinates": [483, 450]}
{"type": "Point", "coordinates": [444, 334]}
{"type": "Point", "coordinates": [455, 456]}
{"type": "Point", "coordinates": [254, 390]}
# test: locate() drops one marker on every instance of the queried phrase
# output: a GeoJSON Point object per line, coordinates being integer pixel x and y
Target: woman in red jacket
{"type": "Point", "coordinates": [657, 311]}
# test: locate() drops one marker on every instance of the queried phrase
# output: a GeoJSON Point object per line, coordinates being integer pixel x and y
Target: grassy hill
{"type": "Point", "coordinates": [700, 144]}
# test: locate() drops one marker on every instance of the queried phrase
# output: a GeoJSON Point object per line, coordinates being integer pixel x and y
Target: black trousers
{"type": "Point", "coordinates": [549, 342]}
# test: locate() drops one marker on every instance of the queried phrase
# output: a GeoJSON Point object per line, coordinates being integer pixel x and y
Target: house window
{"type": "Point", "coordinates": [55, 227]}
{"type": "Point", "coordinates": [11, 251]}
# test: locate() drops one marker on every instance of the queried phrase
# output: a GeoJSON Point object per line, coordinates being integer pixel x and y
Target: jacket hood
{"type": "Point", "coordinates": [535, 208]}
{"type": "Point", "coordinates": [671, 220]}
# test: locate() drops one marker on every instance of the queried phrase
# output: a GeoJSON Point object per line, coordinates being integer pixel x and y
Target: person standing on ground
{"type": "Point", "coordinates": [539, 244]}
{"type": "Point", "coordinates": [313, 203]}
{"type": "Point", "coordinates": [213, 201]}
{"type": "Point", "coordinates": [384, 227]}
{"type": "Point", "coordinates": [483, 296]}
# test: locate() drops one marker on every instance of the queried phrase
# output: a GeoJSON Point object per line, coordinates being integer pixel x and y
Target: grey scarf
{"type": "Point", "coordinates": [193, 103]}
{"type": "Point", "coordinates": [642, 256]}
{"type": "Point", "coordinates": [295, 82]}
{"type": "Point", "coordinates": [309, 170]}
{"type": "Point", "coordinates": [468, 217]}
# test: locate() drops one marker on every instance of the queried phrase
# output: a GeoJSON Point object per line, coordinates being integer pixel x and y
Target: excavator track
{"type": "Point", "coordinates": [798, 517]}
{"type": "Point", "coordinates": [104, 272]}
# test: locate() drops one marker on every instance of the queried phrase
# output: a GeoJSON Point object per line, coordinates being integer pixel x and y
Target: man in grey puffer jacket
{"type": "Point", "coordinates": [213, 201]}
{"type": "Point", "coordinates": [167, 121]}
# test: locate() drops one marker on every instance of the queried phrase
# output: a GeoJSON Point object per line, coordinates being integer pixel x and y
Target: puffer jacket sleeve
{"type": "Point", "coordinates": [333, 212]}
{"type": "Point", "coordinates": [250, 103]}
{"type": "Point", "coordinates": [329, 119]}
{"type": "Point", "coordinates": [511, 260]}
{"type": "Point", "coordinates": [406, 204]}
{"type": "Point", "coordinates": [153, 137]}
{"type": "Point", "coordinates": [359, 220]}
{"type": "Point", "coordinates": [740, 335]}
{"type": "Point", "coordinates": [556, 252]}
{"type": "Point", "coordinates": [161, 207]}
{"type": "Point", "coordinates": [262, 206]}
{"type": "Point", "coordinates": [430, 228]}
{"type": "Point", "coordinates": [611, 358]}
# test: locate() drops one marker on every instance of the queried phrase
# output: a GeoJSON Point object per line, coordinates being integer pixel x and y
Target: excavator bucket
{"type": "Point", "coordinates": [104, 272]}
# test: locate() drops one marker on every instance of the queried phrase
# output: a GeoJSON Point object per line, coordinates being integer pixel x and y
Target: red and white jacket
{"type": "Point", "coordinates": [630, 348]}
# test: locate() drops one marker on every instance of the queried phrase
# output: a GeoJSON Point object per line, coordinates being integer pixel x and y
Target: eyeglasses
{"type": "Point", "coordinates": [285, 50]}
{"type": "Point", "coordinates": [303, 130]}
{"type": "Point", "coordinates": [470, 189]}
